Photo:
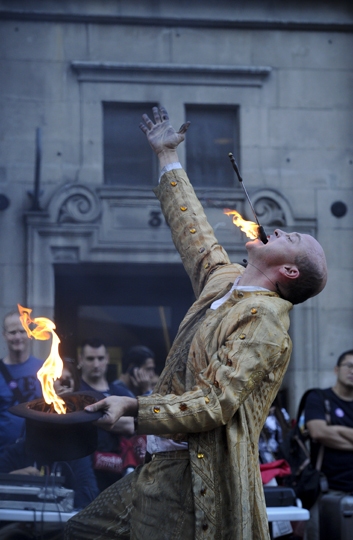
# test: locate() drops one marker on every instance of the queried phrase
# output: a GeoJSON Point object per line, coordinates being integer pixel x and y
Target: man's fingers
{"type": "Point", "coordinates": [163, 113]}
{"type": "Point", "coordinates": [183, 129]}
{"type": "Point", "coordinates": [156, 115]}
{"type": "Point", "coordinates": [147, 121]}
{"type": "Point", "coordinates": [143, 128]}
{"type": "Point", "coordinates": [96, 406]}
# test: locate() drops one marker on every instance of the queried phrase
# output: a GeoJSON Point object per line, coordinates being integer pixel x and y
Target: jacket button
{"type": "Point", "coordinates": [207, 399]}
{"type": "Point", "coordinates": [156, 409]}
{"type": "Point", "coordinates": [207, 265]}
{"type": "Point", "coordinates": [192, 231]}
{"type": "Point", "coordinates": [204, 527]}
{"type": "Point", "coordinates": [253, 311]}
{"type": "Point", "coordinates": [183, 406]}
{"type": "Point", "coordinates": [242, 336]}
{"type": "Point", "coordinates": [200, 455]}
{"type": "Point", "coordinates": [173, 183]}
{"type": "Point", "coordinates": [183, 208]}
{"type": "Point", "coordinates": [203, 491]}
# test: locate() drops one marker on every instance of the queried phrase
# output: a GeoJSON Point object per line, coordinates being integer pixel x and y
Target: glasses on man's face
{"type": "Point", "coordinates": [348, 367]}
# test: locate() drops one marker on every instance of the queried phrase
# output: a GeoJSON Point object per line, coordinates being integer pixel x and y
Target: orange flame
{"type": "Point", "coordinates": [250, 228]}
{"type": "Point", "coordinates": [53, 366]}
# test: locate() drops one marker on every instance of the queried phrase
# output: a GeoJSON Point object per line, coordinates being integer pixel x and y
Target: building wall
{"type": "Point", "coordinates": [59, 60]}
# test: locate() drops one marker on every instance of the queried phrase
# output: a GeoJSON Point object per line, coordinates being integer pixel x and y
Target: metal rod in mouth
{"type": "Point", "coordinates": [262, 234]}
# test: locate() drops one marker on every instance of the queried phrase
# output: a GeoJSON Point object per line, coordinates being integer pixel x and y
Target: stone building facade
{"type": "Point", "coordinates": [82, 238]}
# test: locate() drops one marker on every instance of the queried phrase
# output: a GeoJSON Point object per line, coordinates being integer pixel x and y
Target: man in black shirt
{"type": "Point", "coordinates": [107, 460]}
{"type": "Point", "coordinates": [337, 437]}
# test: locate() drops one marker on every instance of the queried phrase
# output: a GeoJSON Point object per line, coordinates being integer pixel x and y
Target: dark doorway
{"type": "Point", "coordinates": [123, 304]}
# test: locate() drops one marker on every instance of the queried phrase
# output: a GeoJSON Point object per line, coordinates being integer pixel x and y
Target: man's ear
{"type": "Point", "coordinates": [289, 271]}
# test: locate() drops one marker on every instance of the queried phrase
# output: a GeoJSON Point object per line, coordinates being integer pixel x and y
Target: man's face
{"type": "Point", "coordinates": [93, 363]}
{"type": "Point", "coordinates": [283, 248]}
{"type": "Point", "coordinates": [15, 335]}
{"type": "Point", "coordinates": [344, 372]}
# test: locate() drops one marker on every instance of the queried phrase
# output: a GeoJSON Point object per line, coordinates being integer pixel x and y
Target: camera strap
{"type": "Point", "coordinates": [11, 383]}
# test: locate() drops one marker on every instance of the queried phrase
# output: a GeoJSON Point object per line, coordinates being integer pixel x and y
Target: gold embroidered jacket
{"type": "Point", "coordinates": [222, 374]}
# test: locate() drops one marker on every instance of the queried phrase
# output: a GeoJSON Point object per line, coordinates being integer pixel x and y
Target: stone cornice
{"type": "Point", "coordinates": [170, 73]}
{"type": "Point", "coordinates": [185, 22]}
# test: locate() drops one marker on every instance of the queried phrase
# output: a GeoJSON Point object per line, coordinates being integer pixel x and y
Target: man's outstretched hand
{"type": "Point", "coordinates": [113, 408]}
{"type": "Point", "coordinates": [161, 135]}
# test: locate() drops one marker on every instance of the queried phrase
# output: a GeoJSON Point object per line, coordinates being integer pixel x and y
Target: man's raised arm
{"type": "Point", "coordinates": [192, 235]}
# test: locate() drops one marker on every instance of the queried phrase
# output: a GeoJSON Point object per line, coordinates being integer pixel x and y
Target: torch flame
{"type": "Point", "coordinates": [53, 366]}
{"type": "Point", "coordinates": [250, 228]}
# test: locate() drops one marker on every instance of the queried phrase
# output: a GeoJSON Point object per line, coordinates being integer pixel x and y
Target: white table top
{"type": "Point", "coordinates": [286, 513]}
{"type": "Point", "coordinates": [7, 514]}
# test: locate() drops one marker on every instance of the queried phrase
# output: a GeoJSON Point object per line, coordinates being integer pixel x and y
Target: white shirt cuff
{"type": "Point", "coordinates": [169, 167]}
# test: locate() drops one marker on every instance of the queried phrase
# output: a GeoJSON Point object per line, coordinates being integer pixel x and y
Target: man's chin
{"type": "Point", "coordinates": [254, 242]}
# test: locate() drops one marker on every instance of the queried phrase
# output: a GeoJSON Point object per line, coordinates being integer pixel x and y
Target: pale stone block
{"type": "Point", "coordinates": [336, 332]}
{"type": "Point", "coordinates": [309, 50]}
{"type": "Point", "coordinates": [302, 202]}
{"type": "Point", "coordinates": [318, 89]}
{"type": "Point", "coordinates": [124, 44]}
{"type": "Point", "coordinates": [31, 80]}
{"type": "Point", "coordinates": [338, 291]}
{"type": "Point", "coordinates": [215, 46]}
{"type": "Point", "coordinates": [14, 291]}
{"type": "Point", "coordinates": [297, 128]}
{"type": "Point", "coordinates": [20, 117]}
{"type": "Point", "coordinates": [338, 255]}
{"type": "Point", "coordinates": [30, 40]}
{"type": "Point", "coordinates": [254, 126]}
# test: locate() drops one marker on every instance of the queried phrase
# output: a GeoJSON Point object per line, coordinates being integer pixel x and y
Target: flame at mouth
{"type": "Point", "coordinates": [53, 366]}
{"type": "Point", "coordinates": [250, 228]}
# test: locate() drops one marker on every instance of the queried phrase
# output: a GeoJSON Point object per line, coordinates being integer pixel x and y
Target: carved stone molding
{"type": "Point", "coordinates": [75, 203]}
{"type": "Point", "coordinates": [148, 73]}
{"type": "Point", "coordinates": [273, 210]}
{"type": "Point", "coordinates": [65, 254]}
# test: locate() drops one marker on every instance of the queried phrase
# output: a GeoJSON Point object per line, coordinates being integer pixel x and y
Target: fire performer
{"type": "Point", "coordinates": [222, 374]}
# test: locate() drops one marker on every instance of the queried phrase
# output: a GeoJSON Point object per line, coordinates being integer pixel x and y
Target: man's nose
{"type": "Point", "coordinates": [279, 232]}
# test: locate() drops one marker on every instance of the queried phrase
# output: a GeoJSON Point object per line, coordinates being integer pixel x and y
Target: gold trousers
{"type": "Point", "coordinates": [154, 502]}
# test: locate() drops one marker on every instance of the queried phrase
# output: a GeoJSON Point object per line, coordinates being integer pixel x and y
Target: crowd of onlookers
{"type": "Point", "coordinates": [118, 452]}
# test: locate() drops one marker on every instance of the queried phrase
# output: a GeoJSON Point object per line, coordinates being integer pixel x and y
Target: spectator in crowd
{"type": "Point", "coordinates": [276, 426]}
{"type": "Point", "coordinates": [18, 378]}
{"type": "Point", "coordinates": [108, 460]}
{"type": "Point", "coordinates": [70, 378]}
{"type": "Point", "coordinates": [335, 433]}
{"type": "Point", "coordinates": [138, 376]}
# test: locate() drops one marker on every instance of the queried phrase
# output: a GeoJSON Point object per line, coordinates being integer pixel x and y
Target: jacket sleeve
{"type": "Point", "coordinates": [192, 234]}
{"type": "Point", "coordinates": [254, 346]}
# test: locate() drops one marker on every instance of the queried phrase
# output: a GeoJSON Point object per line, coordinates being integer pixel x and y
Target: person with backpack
{"type": "Point", "coordinates": [18, 378]}
{"type": "Point", "coordinates": [335, 434]}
